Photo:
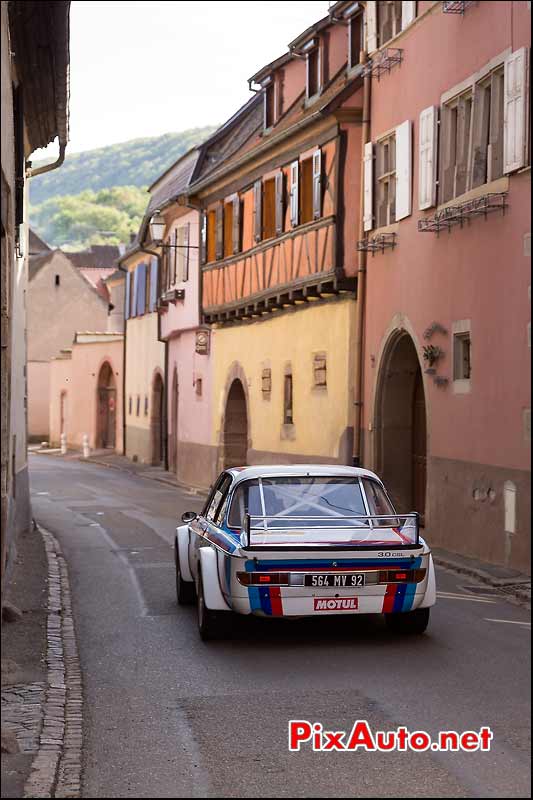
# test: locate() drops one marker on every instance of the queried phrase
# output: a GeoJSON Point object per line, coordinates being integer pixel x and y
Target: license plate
{"type": "Point", "coordinates": [336, 581]}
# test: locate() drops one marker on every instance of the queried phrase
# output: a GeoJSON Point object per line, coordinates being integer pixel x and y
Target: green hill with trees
{"type": "Point", "coordinates": [99, 196]}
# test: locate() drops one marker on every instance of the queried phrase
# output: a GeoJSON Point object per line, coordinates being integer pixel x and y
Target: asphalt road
{"type": "Point", "coordinates": [167, 715]}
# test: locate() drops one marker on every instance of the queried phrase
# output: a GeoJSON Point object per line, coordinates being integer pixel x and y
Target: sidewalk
{"type": "Point", "coordinates": [509, 582]}
{"type": "Point", "coordinates": [23, 663]}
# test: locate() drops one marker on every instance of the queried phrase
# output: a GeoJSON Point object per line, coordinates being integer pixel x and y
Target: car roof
{"type": "Point", "coordinates": [301, 470]}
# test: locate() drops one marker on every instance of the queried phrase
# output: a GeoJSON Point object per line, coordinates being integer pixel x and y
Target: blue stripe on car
{"type": "Point", "coordinates": [398, 598]}
{"type": "Point", "coordinates": [410, 591]}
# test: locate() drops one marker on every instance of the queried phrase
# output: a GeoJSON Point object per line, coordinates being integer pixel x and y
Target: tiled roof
{"type": "Point", "coordinates": [99, 256]}
{"type": "Point", "coordinates": [36, 244]}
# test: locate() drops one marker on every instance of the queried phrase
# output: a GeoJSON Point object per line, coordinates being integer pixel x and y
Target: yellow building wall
{"type": "Point", "coordinates": [145, 355]}
{"type": "Point", "coordinates": [323, 422]}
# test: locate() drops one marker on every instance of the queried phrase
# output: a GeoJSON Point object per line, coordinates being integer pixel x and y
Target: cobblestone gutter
{"type": "Point", "coordinates": [56, 769]}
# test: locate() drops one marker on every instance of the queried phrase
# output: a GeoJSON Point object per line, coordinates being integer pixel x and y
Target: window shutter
{"type": "Point", "coordinates": [480, 135]}
{"type": "Point", "coordinates": [186, 251]}
{"type": "Point", "coordinates": [317, 184]}
{"type": "Point", "coordinates": [427, 158]}
{"type": "Point", "coordinates": [179, 254]}
{"type": "Point", "coordinates": [153, 282]}
{"type": "Point", "coordinates": [236, 233]}
{"type": "Point", "coordinates": [408, 13]}
{"type": "Point", "coordinates": [141, 289]}
{"type": "Point", "coordinates": [515, 110]}
{"type": "Point", "coordinates": [127, 296]}
{"type": "Point", "coordinates": [371, 22]}
{"type": "Point", "coordinates": [135, 291]}
{"type": "Point", "coordinates": [219, 247]}
{"type": "Point", "coordinates": [280, 177]}
{"type": "Point", "coordinates": [495, 156]}
{"type": "Point", "coordinates": [258, 189]}
{"type": "Point", "coordinates": [447, 155]}
{"type": "Point", "coordinates": [404, 170]}
{"type": "Point", "coordinates": [203, 237]}
{"type": "Point", "coordinates": [295, 167]}
{"type": "Point", "coordinates": [368, 177]}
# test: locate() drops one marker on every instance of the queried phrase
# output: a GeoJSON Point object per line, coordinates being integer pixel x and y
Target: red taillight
{"type": "Point", "coordinates": [257, 578]}
{"type": "Point", "coordinates": [400, 576]}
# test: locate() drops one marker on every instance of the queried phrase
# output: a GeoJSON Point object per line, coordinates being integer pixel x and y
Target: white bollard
{"type": "Point", "coordinates": [86, 450]}
{"type": "Point", "coordinates": [63, 439]}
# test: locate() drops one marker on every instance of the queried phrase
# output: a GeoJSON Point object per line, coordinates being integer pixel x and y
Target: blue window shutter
{"type": "Point", "coordinates": [127, 298]}
{"type": "Point", "coordinates": [153, 283]}
{"type": "Point", "coordinates": [135, 292]}
{"type": "Point", "coordinates": [141, 289]}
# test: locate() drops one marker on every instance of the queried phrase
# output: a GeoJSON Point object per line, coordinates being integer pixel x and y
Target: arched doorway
{"type": "Point", "coordinates": [173, 435]}
{"type": "Point", "coordinates": [157, 421]}
{"type": "Point", "coordinates": [401, 430]}
{"type": "Point", "coordinates": [107, 408]}
{"type": "Point", "coordinates": [235, 441]}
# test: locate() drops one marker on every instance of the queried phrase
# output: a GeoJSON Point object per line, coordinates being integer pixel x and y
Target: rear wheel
{"type": "Point", "coordinates": [185, 592]}
{"type": "Point", "coordinates": [410, 622]}
{"type": "Point", "coordinates": [211, 624]}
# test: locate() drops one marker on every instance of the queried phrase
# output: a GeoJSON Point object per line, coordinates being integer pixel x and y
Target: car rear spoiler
{"type": "Point", "coordinates": [401, 524]}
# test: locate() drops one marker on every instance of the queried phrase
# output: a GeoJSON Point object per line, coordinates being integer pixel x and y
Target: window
{"type": "Point", "coordinates": [306, 190]}
{"type": "Point", "coordinates": [386, 181]}
{"type": "Point", "coordinates": [270, 104]}
{"type": "Point", "coordinates": [57, 280]}
{"type": "Point", "coordinates": [313, 72]}
{"type": "Point", "coordinates": [456, 120]}
{"type": "Point", "coordinates": [487, 129]}
{"type": "Point", "coordinates": [266, 382]}
{"type": "Point", "coordinates": [461, 354]}
{"type": "Point", "coordinates": [198, 387]}
{"type": "Point", "coordinates": [211, 235]}
{"type": "Point", "coordinates": [461, 360]}
{"type": "Point", "coordinates": [389, 20]}
{"type": "Point", "coordinates": [228, 229]}
{"type": "Point", "coordinates": [130, 405]}
{"type": "Point", "coordinates": [216, 499]}
{"type": "Point", "coordinates": [319, 370]}
{"type": "Point", "coordinates": [138, 404]}
{"type": "Point", "coordinates": [355, 39]}
{"type": "Point", "coordinates": [145, 405]}
{"type": "Point", "coordinates": [287, 400]}
{"type": "Point", "coordinates": [269, 208]}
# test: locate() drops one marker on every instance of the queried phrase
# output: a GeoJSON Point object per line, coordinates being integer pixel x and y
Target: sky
{"type": "Point", "coordinates": [148, 68]}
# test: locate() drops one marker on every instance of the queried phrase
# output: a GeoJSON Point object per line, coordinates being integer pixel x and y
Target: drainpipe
{"type": "Point", "coordinates": [124, 406]}
{"type": "Point", "coordinates": [361, 284]}
{"type": "Point", "coordinates": [31, 173]}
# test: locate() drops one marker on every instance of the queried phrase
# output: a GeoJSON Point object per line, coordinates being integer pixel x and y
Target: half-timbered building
{"type": "Point", "coordinates": [278, 188]}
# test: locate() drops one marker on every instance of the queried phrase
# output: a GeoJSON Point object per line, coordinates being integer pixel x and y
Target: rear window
{"type": "Point", "coordinates": [323, 499]}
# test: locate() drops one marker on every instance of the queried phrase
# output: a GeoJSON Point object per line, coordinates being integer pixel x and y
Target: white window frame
{"type": "Point", "coordinates": [459, 328]}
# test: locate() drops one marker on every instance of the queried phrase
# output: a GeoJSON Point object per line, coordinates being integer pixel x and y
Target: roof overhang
{"type": "Point", "coordinates": [39, 34]}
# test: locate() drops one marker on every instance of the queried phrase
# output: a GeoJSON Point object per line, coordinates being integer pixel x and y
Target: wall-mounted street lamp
{"type": "Point", "coordinates": [157, 231]}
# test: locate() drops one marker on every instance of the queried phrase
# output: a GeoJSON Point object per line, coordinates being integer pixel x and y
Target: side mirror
{"type": "Point", "coordinates": [188, 516]}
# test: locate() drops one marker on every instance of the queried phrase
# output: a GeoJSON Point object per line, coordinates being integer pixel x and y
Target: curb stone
{"type": "Point", "coordinates": [56, 769]}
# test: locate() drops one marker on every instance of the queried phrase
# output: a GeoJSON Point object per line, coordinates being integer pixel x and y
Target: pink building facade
{"type": "Point", "coordinates": [187, 343]}
{"type": "Point", "coordinates": [446, 369]}
{"type": "Point", "coordinates": [86, 392]}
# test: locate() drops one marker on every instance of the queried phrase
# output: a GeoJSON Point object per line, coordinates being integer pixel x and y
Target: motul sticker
{"type": "Point", "coordinates": [335, 603]}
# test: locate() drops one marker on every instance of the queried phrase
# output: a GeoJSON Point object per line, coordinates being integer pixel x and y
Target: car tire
{"type": "Point", "coordinates": [409, 622]}
{"type": "Point", "coordinates": [185, 590]}
{"type": "Point", "coordinates": [211, 624]}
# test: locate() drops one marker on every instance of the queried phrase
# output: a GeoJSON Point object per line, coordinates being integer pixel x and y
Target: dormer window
{"type": "Point", "coordinates": [269, 99]}
{"type": "Point", "coordinates": [314, 77]}
{"type": "Point", "coordinates": [355, 40]}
